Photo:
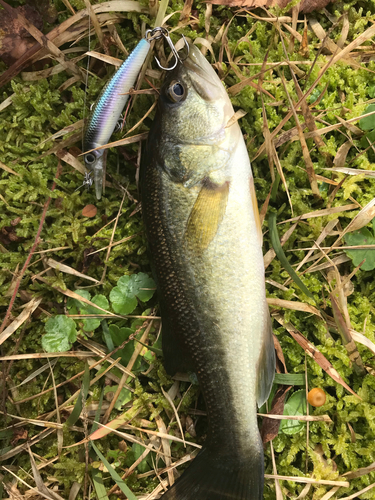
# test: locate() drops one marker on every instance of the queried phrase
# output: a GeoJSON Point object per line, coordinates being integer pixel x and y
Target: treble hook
{"type": "Point", "coordinates": [161, 32]}
{"type": "Point", "coordinates": [87, 181]}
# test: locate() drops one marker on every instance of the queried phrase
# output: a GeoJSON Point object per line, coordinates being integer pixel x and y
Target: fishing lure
{"type": "Point", "coordinates": [107, 110]}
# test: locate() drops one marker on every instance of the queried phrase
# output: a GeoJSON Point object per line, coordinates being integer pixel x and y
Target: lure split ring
{"type": "Point", "coordinates": [157, 34]}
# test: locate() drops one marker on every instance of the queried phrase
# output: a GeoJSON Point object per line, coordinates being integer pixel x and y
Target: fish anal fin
{"type": "Point", "coordinates": [254, 203]}
{"type": "Point", "coordinates": [206, 215]}
{"type": "Point", "coordinates": [266, 364]}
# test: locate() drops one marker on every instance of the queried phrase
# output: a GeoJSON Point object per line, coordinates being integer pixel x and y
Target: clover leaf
{"type": "Point", "coordinates": [61, 333]}
{"type": "Point", "coordinates": [362, 237]}
{"type": "Point", "coordinates": [90, 324]}
{"type": "Point", "coordinates": [368, 123]}
{"type": "Point", "coordinates": [75, 305]}
{"type": "Point", "coordinates": [124, 296]}
{"type": "Point", "coordinates": [296, 405]}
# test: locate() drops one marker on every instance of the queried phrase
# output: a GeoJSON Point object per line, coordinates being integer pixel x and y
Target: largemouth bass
{"type": "Point", "coordinates": [205, 241]}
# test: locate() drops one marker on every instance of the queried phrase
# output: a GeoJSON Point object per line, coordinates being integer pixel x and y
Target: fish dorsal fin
{"type": "Point", "coordinates": [206, 215]}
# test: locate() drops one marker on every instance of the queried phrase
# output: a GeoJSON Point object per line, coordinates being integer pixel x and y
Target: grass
{"type": "Point", "coordinates": [303, 84]}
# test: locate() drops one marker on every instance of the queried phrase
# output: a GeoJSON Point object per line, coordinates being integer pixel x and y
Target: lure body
{"type": "Point", "coordinates": [107, 111]}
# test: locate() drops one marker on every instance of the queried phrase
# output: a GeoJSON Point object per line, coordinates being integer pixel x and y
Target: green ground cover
{"type": "Point", "coordinates": [38, 107]}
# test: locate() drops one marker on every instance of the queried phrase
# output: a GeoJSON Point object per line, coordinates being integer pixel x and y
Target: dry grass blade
{"type": "Point", "coordinates": [240, 113]}
{"type": "Point", "coordinates": [36, 491]}
{"type": "Point", "coordinates": [269, 145]}
{"type": "Point", "coordinates": [362, 218]}
{"type": "Point", "coordinates": [114, 61]}
{"type": "Point", "coordinates": [37, 372]}
{"type": "Point", "coordinates": [24, 316]}
{"type": "Point", "coordinates": [68, 270]}
{"type": "Point", "coordinates": [369, 33]}
{"type": "Point", "coordinates": [96, 24]}
{"type": "Point", "coordinates": [353, 171]}
{"type": "Point", "coordinates": [322, 213]}
{"type": "Point", "coordinates": [350, 346]}
{"type": "Point", "coordinates": [115, 243]}
{"type": "Point", "coordinates": [70, 159]}
{"type": "Point", "coordinates": [279, 493]}
{"type": "Point", "coordinates": [331, 225]}
{"type": "Point", "coordinates": [169, 399]}
{"type": "Point", "coordinates": [166, 446]}
{"type": "Point", "coordinates": [330, 44]}
{"type": "Point", "coordinates": [330, 493]}
{"type": "Point", "coordinates": [66, 130]}
{"type": "Point", "coordinates": [352, 128]}
{"type": "Point", "coordinates": [298, 479]}
{"type": "Point", "coordinates": [359, 337]}
{"type": "Point", "coordinates": [74, 490]}
{"type": "Point", "coordinates": [305, 151]}
{"type": "Point", "coordinates": [162, 435]}
{"type": "Point", "coordinates": [8, 169]}
{"type": "Point", "coordinates": [17, 449]}
{"type": "Point", "coordinates": [314, 353]}
{"type": "Point", "coordinates": [40, 355]}
{"type": "Point", "coordinates": [122, 142]}
{"type": "Point", "coordinates": [42, 488]}
{"type": "Point", "coordinates": [142, 119]}
{"type": "Point", "coordinates": [356, 495]}
{"type": "Point", "coordinates": [293, 305]}
{"type": "Point", "coordinates": [74, 295]}
{"type": "Point", "coordinates": [342, 153]}
{"type": "Point", "coordinates": [360, 472]}
{"type": "Point", "coordinates": [340, 259]}
{"type": "Point", "coordinates": [302, 418]}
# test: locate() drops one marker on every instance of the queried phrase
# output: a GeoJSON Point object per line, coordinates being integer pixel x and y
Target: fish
{"type": "Point", "coordinates": [205, 242]}
{"type": "Point", "coordinates": [107, 110]}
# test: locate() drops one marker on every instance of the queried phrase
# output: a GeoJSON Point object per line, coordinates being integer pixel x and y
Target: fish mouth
{"type": "Point", "coordinates": [202, 75]}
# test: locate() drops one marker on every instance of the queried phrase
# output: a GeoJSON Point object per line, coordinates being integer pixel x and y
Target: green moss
{"type": "Point", "coordinates": [39, 109]}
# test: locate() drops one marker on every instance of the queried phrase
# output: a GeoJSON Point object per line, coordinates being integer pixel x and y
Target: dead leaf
{"type": "Point", "coordinates": [14, 39]}
{"type": "Point", "coordinates": [89, 211]}
{"type": "Point", "coordinates": [18, 433]}
{"type": "Point", "coordinates": [314, 353]}
{"type": "Point", "coordinates": [280, 360]}
{"type": "Point", "coordinates": [270, 426]}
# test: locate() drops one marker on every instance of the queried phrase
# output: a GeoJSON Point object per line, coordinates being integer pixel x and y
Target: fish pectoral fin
{"type": "Point", "coordinates": [266, 365]}
{"type": "Point", "coordinates": [206, 215]}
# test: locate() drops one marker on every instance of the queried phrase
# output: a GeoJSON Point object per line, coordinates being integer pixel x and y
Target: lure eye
{"type": "Point", "coordinates": [90, 158]}
{"type": "Point", "coordinates": [176, 91]}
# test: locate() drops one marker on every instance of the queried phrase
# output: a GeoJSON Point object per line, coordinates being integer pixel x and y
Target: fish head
{"type": "Point", "coordinates": [194, 104]}
{"type": "Point", "coordinates": [94, 162]}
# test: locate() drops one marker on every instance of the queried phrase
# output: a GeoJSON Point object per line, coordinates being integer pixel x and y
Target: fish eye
{"type": "Point", "coordinates": [90, 158]}
{"type": "Point", "coordinates": [176, 91]}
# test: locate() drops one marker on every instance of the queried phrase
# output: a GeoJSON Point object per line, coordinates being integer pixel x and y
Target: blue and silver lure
{"type": "Point", "coordinates": [108, 108]}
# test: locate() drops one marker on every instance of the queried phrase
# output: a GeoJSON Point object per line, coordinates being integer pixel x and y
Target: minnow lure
{"type": "Point", "coordinates": [108, 108]}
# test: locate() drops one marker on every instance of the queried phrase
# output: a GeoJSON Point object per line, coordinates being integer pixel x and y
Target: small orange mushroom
{"type": "Point", "coordinates": [316, 397]}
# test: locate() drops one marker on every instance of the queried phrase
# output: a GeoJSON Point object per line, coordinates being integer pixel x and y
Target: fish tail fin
{"type": "Point", "coordinates": [211, 477]}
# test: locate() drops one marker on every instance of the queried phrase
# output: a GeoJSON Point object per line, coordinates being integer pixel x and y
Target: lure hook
{"type": "Point", "coordinates": [87, 181]}
{"type": "Point", "coordinates": [160, 32]}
